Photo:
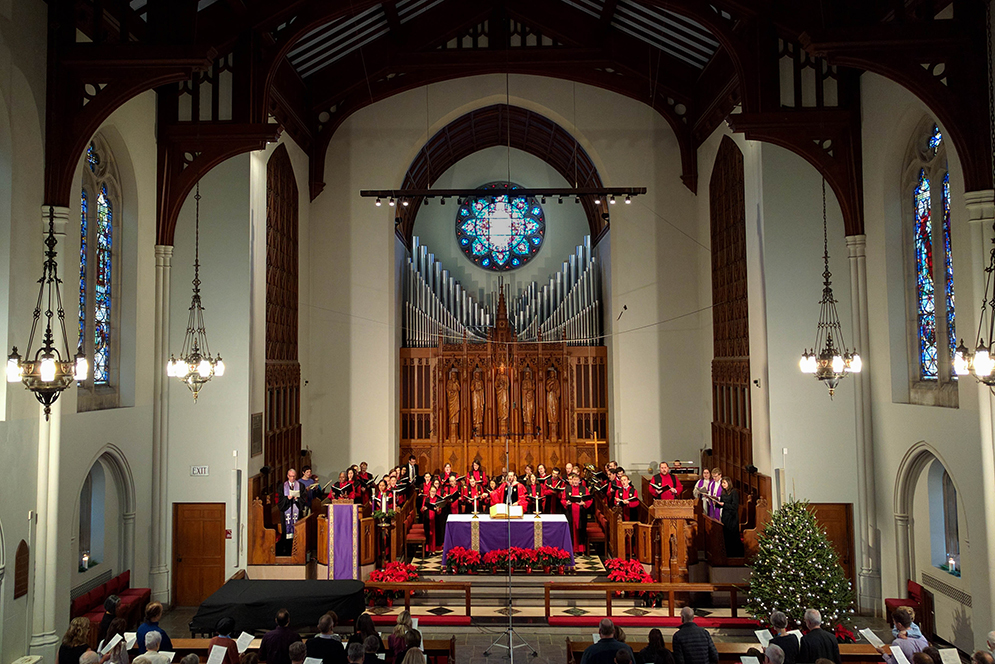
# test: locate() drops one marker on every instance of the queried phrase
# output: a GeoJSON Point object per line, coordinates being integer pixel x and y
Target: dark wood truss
{"type": "Point", "coordinates": [311, 63]}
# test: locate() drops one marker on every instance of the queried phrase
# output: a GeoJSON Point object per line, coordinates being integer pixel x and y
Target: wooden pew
{"type": "Point", "coordinates": [262, 540]}
{"type": "Point", "coordinates": [730, 653]}
{"type": "Point", "coordinates": [437, 651]}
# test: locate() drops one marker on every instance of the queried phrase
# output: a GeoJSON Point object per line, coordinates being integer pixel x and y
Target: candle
{"type": "Point", "coordinates": [474, 504]}
{"type": "Point", "coordinates": [383, 503]}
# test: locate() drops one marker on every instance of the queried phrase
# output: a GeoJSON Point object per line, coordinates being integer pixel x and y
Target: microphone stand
{"type": "Point", "coordinates": [510, 631]}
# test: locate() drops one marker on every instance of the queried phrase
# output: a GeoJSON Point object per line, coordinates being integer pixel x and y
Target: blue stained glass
{"type": "Point", "coordinates": [499, 232]}
{"type": "Point", "coordinates": [935, 138]}
{"type": "Point", "coordinates": [82, 267]}
{"type": "Point", "coordinates": [948, 268]}
{"type": "Point", "coordinates": [102, 289]}
{"type": "Point", "coordinates": [925, 290]}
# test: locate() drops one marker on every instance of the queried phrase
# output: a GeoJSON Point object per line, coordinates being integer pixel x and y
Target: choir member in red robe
{"type": "Point", "coordinates": [493, 495]}
{"type": "Point", "coordinates": [518, 494]}
{"type": "Point", "coordinates": [475, 498]}
{"type": "Point", "coordinates": [574, 508]}
{"type": "Point", "coordinates": [627, 497]}
{"type": "Point", "coordinates": [554, 491]}
{"type": "Point", "coordinates": [343, 489]}
{"type": "Point", "coordinates": [398, 492]}
{"type": "Point", "coordinates": [351, 477]}
{"type": "Point", "coordinates": [665, 486]}
{"type": "Point", "coordinates": [541, 474]}
{"type": "Point", "coordinates": [477, 473]}
{"type": "Point", "coordinates": [431, 513]}
{"type": "Point", "coordinates": [383, 500]}
{"type": "Point", "coordinates": [451, 491]}
{"type": "Point", "coordinates": [535, 495]}
{"type": "Point", "coordinates": [447, 470]}
{"type": "Point", "coordinates": [363, 480]}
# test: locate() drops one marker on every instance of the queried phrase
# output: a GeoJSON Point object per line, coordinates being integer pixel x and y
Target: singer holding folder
{"type": "Point", "coordinates": [575, 501]}
{"type": "Point", "coordinates": [292, 503]}
{"type": "Point", "coordinates": [665, 486]}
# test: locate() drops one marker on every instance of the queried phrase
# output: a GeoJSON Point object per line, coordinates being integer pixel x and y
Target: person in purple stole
{"type": "Point", "coordinates": [292, 503]}
{"type": "Point", "coordinates": [714, 505]}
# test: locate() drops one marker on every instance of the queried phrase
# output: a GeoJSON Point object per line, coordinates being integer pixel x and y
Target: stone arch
{"type": "Point", "coordinates": [114, 462]}
{"type": "Point", "coordinates": [916, 460]}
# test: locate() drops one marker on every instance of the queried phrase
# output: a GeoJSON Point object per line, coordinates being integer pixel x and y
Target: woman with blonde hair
{"type": "Point", "coordinates": [75, 642]}
{"type": "Point", "coordinates": [414, 656]}
{"type": "Point", "coordinates": [395, 641]}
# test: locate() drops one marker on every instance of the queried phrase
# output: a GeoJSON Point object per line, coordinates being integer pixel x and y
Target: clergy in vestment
{"type": "Point", "coordinates": [292, 503]}
{"type": "Point", "coordinates": [714, 508]}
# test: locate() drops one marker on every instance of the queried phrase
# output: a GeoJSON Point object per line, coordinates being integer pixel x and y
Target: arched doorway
{"type": "Point", "coordinates": [105, 514]}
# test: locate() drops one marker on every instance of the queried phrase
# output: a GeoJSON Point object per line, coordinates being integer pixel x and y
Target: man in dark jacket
{"type": "Point", "coordinates": [603, 652]}
{"type": "Point", "coordinates": [818, 643]}
{"type": "Point", "coordinates": [693, 644]}
{"type": "Point", "coordinates": [324, 645]}
{"type": "Point", "coordinates": [275, 646]}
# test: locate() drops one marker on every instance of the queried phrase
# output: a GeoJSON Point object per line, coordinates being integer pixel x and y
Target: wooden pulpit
{"type": "Point", "coordinates": [673, 528]}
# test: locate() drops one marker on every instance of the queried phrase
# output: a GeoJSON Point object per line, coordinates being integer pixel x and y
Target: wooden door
{"type": "Point", "coordinates": [837, 520]}
{"type": "Point", "coordinates": [198, 551]}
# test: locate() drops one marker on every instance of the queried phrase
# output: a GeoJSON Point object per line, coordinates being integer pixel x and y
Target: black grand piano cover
{"type": "Point", "coordinates": [254, 603]}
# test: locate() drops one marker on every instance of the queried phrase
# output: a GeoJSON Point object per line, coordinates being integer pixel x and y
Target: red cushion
{"type": "Point", "coordinates": [91, 600]}
{"type": "Point", "coordinates": [115, 586]}
{"type": "Point", "coordinates": [96, 616]}
{"type": "Point", "coordinates": [125, 578]}
{"type": "Point", "coordinates": [77, 607]}
{"type": "Point", "coordinates": [915, 591]}
{"type": "Point", "coordinates": [416, 537]}
{"type": "Point", "coordinates": [136, 595]}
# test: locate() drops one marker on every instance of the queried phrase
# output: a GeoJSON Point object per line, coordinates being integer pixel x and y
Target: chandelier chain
{"type": "Point", "coordinates": [196, 243]}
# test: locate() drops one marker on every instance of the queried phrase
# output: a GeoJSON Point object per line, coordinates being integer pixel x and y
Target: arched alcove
{"type": "Point", "coordinates": [110, 480]}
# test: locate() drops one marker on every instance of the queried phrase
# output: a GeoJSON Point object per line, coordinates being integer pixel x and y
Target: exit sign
{"type": "Point", "coordinates": [200, 471]}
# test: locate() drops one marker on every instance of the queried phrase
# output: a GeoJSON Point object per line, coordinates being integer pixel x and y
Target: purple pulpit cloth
{"type": "Point", "coordinates": [491, 534]}
{"type": "Point", "coordinates": [343, 541]}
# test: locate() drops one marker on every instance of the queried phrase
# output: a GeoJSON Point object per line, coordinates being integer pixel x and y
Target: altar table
{"type": "Point", "coordinates": [526, 533]}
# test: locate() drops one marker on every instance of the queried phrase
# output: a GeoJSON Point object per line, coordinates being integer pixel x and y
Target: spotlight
{"type": "Point", "coordinates": [560, 201]}
{"type": "Point", "coordinates": [611, 201]}
{"type": "Point", "coordinates": [397, 221]}
{"type": "Point", "coordinates": [628, 200]}
{"type": "Point", "coordinates": [597, 199]}
{"type": "Point", "coordinates": [426, 201]}
{"type": "Point", "coordinates": [404, 202]}
{"type": "Point", "coordinates": [543, 200]}
{"type": "Point", "coordinates": [577, 199]}
{"type": "Point", "coordinates": [391, 203]}
{"type": "Point", "coordinates": [378, 204]}
{"type": "Point", "coordinates": [442, 201]}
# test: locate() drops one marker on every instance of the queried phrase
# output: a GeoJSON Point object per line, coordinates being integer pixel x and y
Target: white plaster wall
{"type": "Point", "coordinates": [566, 224]}
{"type": "Point", "coordinates": [890, 114]}
{"type": "Point", "coordinates": [349, 410]}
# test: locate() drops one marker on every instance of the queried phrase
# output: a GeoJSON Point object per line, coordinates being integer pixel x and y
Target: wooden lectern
{"type": "Point", "coordinates": [673, 528]}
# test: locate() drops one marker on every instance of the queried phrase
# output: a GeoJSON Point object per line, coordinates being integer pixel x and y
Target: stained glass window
{"type": "Point", "coordinates": [102, 289]}
{"type": "Point", "coordinates": [500, 232]}
{"type": "Point", "coordinates": [82, 269]}
{"type": "Point", "coordinates": [948, 268]}
{"type": "Point", "coordinates": [925, 290]}
{"type": "Point", "coordinates": [92, 158]}
{"type": "Point", "coordinates": [935, 138]}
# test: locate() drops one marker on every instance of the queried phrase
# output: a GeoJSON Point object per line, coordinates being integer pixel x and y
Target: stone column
{"type": "Point", "coordinates": [44, 640]}
{"type": "Point", "coordinates": [128, 540]}
{"type": "Point", "coordinates": [902, 551]}
{"type": "Point", "coordinates": [159, 555]}
{"type": "Point", "coordinates": [868, 540]}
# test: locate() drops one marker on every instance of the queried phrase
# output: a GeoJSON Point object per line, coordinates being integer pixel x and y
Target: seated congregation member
{"type": "Point", "coordinates": [225, 628]}
{"type": "Point", "coordinates": [715, 493]}
{"type": "Point", "coordinates": [477, 473]}
{"type": "Point", "coordinates": [275, 645]}
{"type": "Point", "coordinates": [664, 485]}
{"type": "Point", "coordinates": [383, 499]}
{"type": "Point", "coordinates": [193, 658]}
{"type": "Point", "coordinates": [370, 647]}
{"type": "Point", "coordinates": [414, 656]}
{"type": "Point", "coordinates": [453, 493]}
{"type": "Point", "coordinates": [627, 497]}
{"type": "Point", "coordinates": [324, 645]}
{"type": "Point", "coordinates": [474, 496]}
{"type": "Point", "coordinates": [74, 641]}
{"type": "Point", "coordinates": [119, 653]}
{"type": "Point", "coordinates": [773, 654]}
{"type": "Point", "coordinates": [395, 640]}
{"type": "Point", "coordinates": [110, 613]}
{"type": "Point", "coordinates": [364, 630]}
{"type": "Point", "coordinates": [909, 645]}
{"type": "Point", "coordinates": [730, 519]}
{"type": "Point", "coordinates": [692, 643]}
{"type": "Point", "coordinates": [431, 515]}
{"type": "Point", "coordinates": [604, 651]}
{"type": "Point", "coordinates": [932, 653]}
{"type": "Point", "coordinates": [153, 613]}
{"type": "Point", "coordinates": [296, 652]}
{"type": "Point", "coordinates": [153, 647]}
{"type": "Point", "coordinates": [412, 641]}
{"type": "Point", "coordinates": [982, 657]}
{"type": "Point", "coordinates": [343, 489]}
{"type": "Point", "coordinates": [90, 657]}
{"type": "Point", "coordinates": [912, 631]}
{"type": "Point", "coordinates": [655, 651]}
{"type": "Point", "coordinates": [575, 501]}
{"type": "Point", "coordinates": [788, 643]}
{"type": "Point", "coordinates": [817, 643]}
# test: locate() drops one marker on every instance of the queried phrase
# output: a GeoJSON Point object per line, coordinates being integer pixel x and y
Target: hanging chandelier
{"type": "Point", "coordinates": [980, 362]}
{"type": "Point", "coordinates": [196, 366]}
{"type": "Point", "coordinates": [51, 370]}
{"type": "Point", "coordinates": [833, 361]}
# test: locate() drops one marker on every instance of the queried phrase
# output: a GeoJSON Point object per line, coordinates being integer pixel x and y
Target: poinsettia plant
{"type": "Point", "coordinates": [621, 570]}
{"type": "Point", "coordinates": [552, 556]}
{"type": "Point", "coordinates": [393, 572]}
{"type": "Point", "coordinates": [844, 635]}
{"type": "Point", "coordinates": [461, 560]}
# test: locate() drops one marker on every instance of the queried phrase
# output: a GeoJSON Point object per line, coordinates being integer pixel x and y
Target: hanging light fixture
{"type": "Point", "coordinates": [832, 362]}
{"type": "Point", "coordinates": [196, 366]}
{"type": "Point", "coordinates": [52, 370]}
{"type": "Point", "coordinates": [980, 362]}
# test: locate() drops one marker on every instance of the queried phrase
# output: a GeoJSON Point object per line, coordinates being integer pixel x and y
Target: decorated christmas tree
{"type": "Point", "coordinates": [796, 568]}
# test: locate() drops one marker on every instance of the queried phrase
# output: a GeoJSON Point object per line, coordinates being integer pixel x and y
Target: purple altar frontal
{"type": "Point", "coordinates": [485, 534]}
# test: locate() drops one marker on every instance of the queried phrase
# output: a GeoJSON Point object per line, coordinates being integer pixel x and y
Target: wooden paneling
{"type": "Point", "coordinates": [837, 520]}
{"type": "Point", "coordinates": [198, 551]}
{"type": "Point", "coordinates": [282, 423]}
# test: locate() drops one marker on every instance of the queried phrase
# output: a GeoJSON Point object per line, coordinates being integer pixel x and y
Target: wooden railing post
{"type": "Point", "coordinates": [670, 602]}
{"type": "Point", "coordinates": [608, 602]}
{"type": "Point", "coordinates": [546, 593]}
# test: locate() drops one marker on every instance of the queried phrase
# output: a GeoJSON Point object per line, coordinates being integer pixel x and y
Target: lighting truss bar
{"type": "Point", "coordinates": [515, 193]}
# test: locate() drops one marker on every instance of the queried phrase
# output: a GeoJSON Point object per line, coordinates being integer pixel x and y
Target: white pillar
{"type": "Point", "coordinates": [159, 555]}
{"type": "Point", "coordinates": [868, 541]}
{"type": "Point", "coordinates": [44, 640]}
{"type": "Point", "coordinates": [903, 544]}
{"type": "Point", "coordinates": [128, 540]}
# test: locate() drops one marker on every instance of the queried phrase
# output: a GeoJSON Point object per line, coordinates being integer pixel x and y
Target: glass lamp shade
{"type": "Point", "coordinates": [983, 363]}
{"type": "Point", "coordinates": [219, 367]}
{"type": "Point", "coordinates": [856, 364]}
{"type": "Point", "coordinates": [82, 368]}
{"type": "Point", "coordinates": [13, 370]}
{"type": "Point", "coordinates": [47, 370]}
{"type": "Point", "coordinates": [204, 368]}
{"type": "Point", "coordinates": [838, 364]}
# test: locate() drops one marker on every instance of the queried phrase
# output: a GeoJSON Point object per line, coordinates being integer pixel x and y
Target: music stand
{"type": "Point", "coordinates": [510, 631]}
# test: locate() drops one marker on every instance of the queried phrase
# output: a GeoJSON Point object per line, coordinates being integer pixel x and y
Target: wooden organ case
{"type": "Point", "coordinates": [470, 383]}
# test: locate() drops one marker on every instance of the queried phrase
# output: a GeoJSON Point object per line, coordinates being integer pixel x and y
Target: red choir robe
{"type": "Point", "coordinates": [366, 491]}
{"type": "Point", "coordinates": [346, 491]}
{"type": "Point", "coordinates": [477, 492]}
{"type": "Point", "coordinates": [575, 512]}
{"type": "Point", "coordinates": [432, 518]}
{"type": "Point", "coordinates": [479, 475]}
{"type": "Point", "coordinates": [520, 494]}
{"type": "Point", "coordinates": [533, 491]}
{"type": "Point", "coordinates": [554, 492]}
{"type": "Point", "coordinates": [665, 481]}
{"type": "Point", "coordinates": [455, 495]}
{"type": "Point", "coordinates": [629, 500]}
{"type": "Point", "coordinates": [399, 495]}
{"type": "Point", "coordinates": [383, 500]}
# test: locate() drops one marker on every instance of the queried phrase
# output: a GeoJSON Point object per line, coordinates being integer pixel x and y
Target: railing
{"type": "Point", "coordinates": [427, 585]}
{"type": "Point", "coordinates": [732, 653]}
{"type": "Point", "coordinates": [671, 589]}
